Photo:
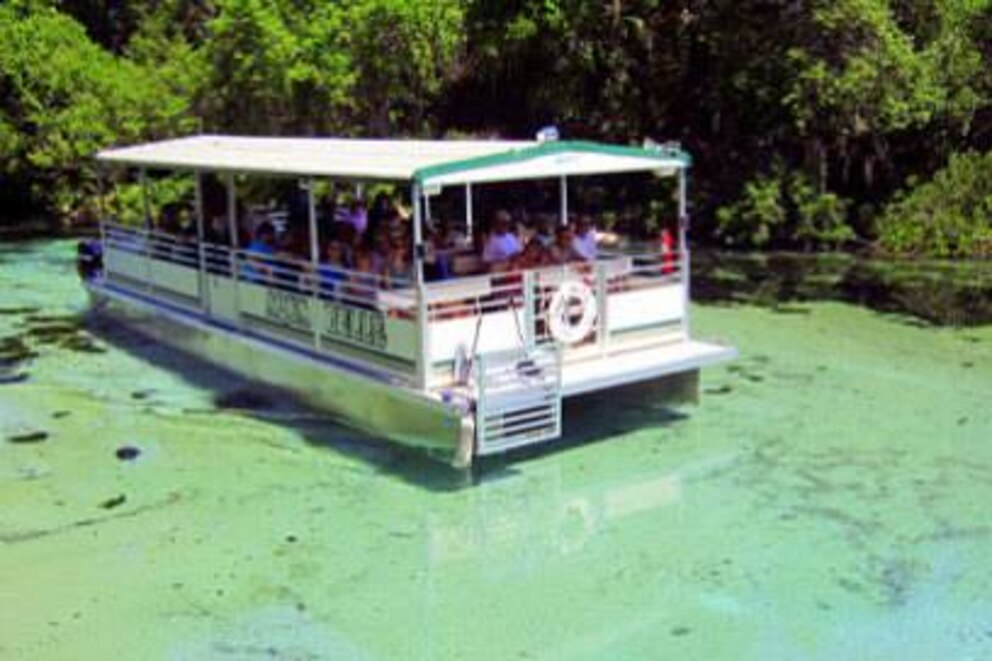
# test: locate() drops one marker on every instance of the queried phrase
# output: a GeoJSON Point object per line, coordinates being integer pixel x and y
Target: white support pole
{"type": "Point", "coordinates": [149, 238]}
{"type": "Point", "coordinates": [468, 212]}
{"type": "Point", "coordinates": [199, 243]}
{"type": "Point", "coordinates": [101, 202]}
{"type": "Point", "coordinates": [232, 213]}
{"type": "Point", "coordinates": [312, 220]}
{"type": "Point", "coordinates": [427, 212]}
{"type": "Point", "coordinates": [145, 202]}
{"type": "Point", "coordinates": [315, 259]}
{"type": "Point", "coordinates": [423, 359]}
{"type": "Point", "coordinates": [684, 247]}
{"type": "Point", "coordinates": [564, 200]}
{"type": "Point", "coordinates": [418, 237]}
{"type": "Point", "coordinates": [233, 244]}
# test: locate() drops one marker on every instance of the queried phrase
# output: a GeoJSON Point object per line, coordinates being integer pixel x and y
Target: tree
{"type": "Point", "coordinates": [64, 98]}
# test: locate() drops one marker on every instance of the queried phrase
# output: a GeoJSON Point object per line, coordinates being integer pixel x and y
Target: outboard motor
{"type": "Point", "coordinates": [89, 258]}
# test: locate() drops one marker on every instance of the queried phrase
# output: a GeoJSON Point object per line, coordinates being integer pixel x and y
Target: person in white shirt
{"type": "Point", "coordinates": [502, 244]}
{"type": "Point", "coordinates": [584, 241]}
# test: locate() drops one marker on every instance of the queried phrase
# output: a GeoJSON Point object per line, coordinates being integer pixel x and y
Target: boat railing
{"type": "Point", "coordinates": [363, 317]}
{"type": "Point", "coordinates": [374, 319]}
{"type": "Point", "coordinates": [152, 243]}
{"type": "Point", "coordinates": [637, 297]}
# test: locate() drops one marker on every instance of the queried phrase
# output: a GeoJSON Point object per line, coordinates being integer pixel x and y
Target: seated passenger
{"type": "Point", "coordinates": [502, 245]}
{"type": "Point", "coordinates": [362, 283]}
{"type": "Point", "coordinates": [291, 249]}
{"type": "Point", "coordinates": [167, 245]}
{"type": "Point", "coordinates": [382, 209]}
{"type": "Point", "coordinates": [256, 267]}
{"type": "Point", "coordinates": [584, 241]}
{"type": "Point", "coordinates": [357, 216]}
{"type": "Point", "coordinates": [542, 231]}
{"type": "Point", "coordinates": [534, 256]}
{"type": "Point", "coordinates": [397, 269]}
{"type": "Point", "coordinates": [169, 222]}
{"type": "Point", "coordinates": [331, 273]}
{"type": "Point", "coordinates": [442, 245]}
{"type": "Point", "coordinates": [379, 248]}
{"type": "Point", "coordinates": [562, 251]}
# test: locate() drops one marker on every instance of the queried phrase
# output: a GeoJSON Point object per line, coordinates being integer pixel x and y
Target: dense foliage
{"type": "Point", "coordinates": [949, 216]}
{"type": "Point", "coordinates": [813, 124]}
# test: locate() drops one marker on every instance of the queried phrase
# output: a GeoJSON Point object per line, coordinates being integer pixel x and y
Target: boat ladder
{"type": "Point", "coordinates": [519, 398]}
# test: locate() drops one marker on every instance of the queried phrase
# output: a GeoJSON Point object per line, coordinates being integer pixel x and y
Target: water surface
{"type": "Point", "coordinates": [828, 499]}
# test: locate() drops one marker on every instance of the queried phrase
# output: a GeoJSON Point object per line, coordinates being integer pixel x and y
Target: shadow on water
{"type": "Point", "coordinates": [602, 417]}
{"type": "Point", "coordinates": [924, 292]}
{"type": "Point", "coordinates": [33, 333]}
{"type": "Point", "coordinates": [233, 393]}
{"type": "Point", "coordinates": [588, 419]}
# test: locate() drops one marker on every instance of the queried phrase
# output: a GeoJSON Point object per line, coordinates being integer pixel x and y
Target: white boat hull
{"type": "Point", "coordinates": [368, 403]}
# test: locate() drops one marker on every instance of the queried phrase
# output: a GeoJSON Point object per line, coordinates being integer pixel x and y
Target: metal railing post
{"type": "Point", "coordinates": [148, 239]}
{"type": "Point", "coordinates": [232, 247]}
{"type": "Point", "coordinates": [315, 260]}
{"type": "Point", "coordinates": [530, 308]}
{"type": "Point", "coordinates": [423, 323]}
{"type": "Point", "coordinates": [684, 249]}
{"type": "Point", "coordinates": [602, 308]}
{"type": "Point", "coordinates": [201, 253]}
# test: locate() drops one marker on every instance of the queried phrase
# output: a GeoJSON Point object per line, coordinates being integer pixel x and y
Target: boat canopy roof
{"type": "Point", "coordinates": [430, 163]}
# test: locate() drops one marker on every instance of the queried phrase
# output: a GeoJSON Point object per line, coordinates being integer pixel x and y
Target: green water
{"type": "Point", "coordinates": [828, 500]}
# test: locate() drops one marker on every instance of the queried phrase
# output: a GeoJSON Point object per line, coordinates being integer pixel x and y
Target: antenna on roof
{"type": "Point", "coordinates": [547, 134]}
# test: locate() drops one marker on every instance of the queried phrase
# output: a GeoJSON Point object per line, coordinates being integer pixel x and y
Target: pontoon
{"type": "Point", "coordinates": [463, 367]}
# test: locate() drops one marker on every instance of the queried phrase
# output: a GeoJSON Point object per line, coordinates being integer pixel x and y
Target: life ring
{"type": "Point", "coordinates": [560, 322]}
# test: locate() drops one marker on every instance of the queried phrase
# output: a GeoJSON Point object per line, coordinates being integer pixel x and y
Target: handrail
{"type": "Point", "coordinates": [525, 291]}
{"type": "Point", "coordinates": [329, 282]}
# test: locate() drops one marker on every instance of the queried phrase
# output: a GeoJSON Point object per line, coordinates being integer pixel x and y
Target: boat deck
{"type": "Point", "coordinates": [641, 365]}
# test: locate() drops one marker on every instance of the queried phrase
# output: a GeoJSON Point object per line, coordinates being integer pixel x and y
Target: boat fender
{"type": "Point", "coordinates": [559, 313]}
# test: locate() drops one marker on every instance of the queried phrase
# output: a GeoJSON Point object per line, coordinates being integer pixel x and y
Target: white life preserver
{"type": "Point", "coordinates": [559, 312]}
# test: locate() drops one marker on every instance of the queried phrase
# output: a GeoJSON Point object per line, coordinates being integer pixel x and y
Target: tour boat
{"type": "Point", "coordinates": [461, 367]}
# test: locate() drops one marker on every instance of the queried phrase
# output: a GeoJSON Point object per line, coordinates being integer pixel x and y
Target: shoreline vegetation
{"type": "Point", "coordinates": [939, 292]}
{"type": "Point", "coordinates": [851, 124]}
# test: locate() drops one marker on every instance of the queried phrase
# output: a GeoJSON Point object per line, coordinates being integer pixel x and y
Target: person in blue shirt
{"type": "Point", "coordinates": [331, 271]}
{"type": "Point", "coordinates": [256, 267]}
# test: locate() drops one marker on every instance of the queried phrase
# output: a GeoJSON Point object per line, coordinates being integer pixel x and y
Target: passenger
{"type": "Point", "coordinates": [331, 273]}
{"type": "Point", "coordinates": [382, 209]}
{"type": "Point", "coordinates": [362, 283]}
{"type": "Point", "coordinates": [167, 245]}
{"type": "Point", "coordinates": [542, 231]}
{"type": "Point", "coordinates": [346, 234]}
{"type": "Point", "coordinates": [584, 241]}
{"type": "Point", "coordinates": [562, 251]}
{"type": "Point", "coordinates": [534, 256]}
{"type": "Point", "coordinates": [217, 231]}
{"type": "Point", "coordinates": [398, 270]}
{"type": "Point", "coordinates": [380, 249]}
{"type": "Point", "coordinates": [502, 245]}
{"type": "Point", "coordinates": [291, 249]}
{"type": "Point", "coordinates": [169, 222]}
{"type": "Point", "coordinates": [441, 247]}
{"type": "Point", "coordinates": [357, 216]}
{"type": "Point", "coordinates": [257, 266]}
